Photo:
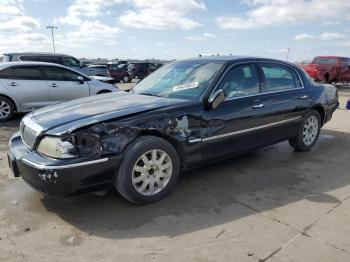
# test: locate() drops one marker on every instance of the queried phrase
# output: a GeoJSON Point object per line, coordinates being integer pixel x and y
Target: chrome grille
{"type": "Point", "coordinates": [29, 131]}
{"type": "Point", "coordinates": [28, 136]}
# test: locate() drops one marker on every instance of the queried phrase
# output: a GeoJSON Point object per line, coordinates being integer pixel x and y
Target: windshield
{"type": "Point", "coordinates": [187, 80]}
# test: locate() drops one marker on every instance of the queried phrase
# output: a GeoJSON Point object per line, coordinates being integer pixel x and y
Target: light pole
{"type": "Point", "coordinates": [53, 38]}
{"type": "Point", "coordinates": [288, 50]}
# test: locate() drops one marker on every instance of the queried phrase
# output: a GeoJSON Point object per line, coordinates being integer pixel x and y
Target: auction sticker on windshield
{"type": "Point", "coordinates": [185, 86]}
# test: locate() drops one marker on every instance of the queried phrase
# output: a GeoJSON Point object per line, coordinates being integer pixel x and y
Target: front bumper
{"type": "Point", "coordinates": [60, 177]}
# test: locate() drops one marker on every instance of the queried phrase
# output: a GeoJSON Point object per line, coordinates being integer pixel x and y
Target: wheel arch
{"type": "Point", "coordinates": [320, 109]}
{"type": "Point", "coordinates": [176, 144]}
{"type": "Point", "coordinates": [12, 100]}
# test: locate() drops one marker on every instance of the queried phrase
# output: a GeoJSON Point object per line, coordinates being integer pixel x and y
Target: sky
{"type": "Point", "coordinates": [177, 29]}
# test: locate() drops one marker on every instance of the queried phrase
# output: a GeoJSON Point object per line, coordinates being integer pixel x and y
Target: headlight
{"type": "Point", "coordinates": [56, 147]}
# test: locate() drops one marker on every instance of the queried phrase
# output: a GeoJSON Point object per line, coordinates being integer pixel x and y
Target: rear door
{"type": "Point", "coordinates": [286, 101]}
{"type": "Point", "coordinates": [28, 86]}
{"type": "Point", "coordinates": [344, 74]}
{"type": "Point", "coordinates": [64, 84]}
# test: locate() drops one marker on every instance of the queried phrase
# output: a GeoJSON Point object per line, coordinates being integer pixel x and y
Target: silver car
{"type": "Point", "coordinates": [25, 86]}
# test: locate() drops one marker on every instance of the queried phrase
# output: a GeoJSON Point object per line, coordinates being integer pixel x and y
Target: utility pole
{"type": "Point", "coordinates": [288, 50]}
{"type": "Point", "coordinates": [53, 38]}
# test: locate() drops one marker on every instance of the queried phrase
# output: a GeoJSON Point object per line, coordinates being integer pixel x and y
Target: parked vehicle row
{"type": "Point", "coordinates": [61, 59]}
{"type": "Point", "coordinates": [329, 69]}
{"type": "Point", "coordinates": [187, 114]}
{"type": "Point", "coordinates": [25, 86]}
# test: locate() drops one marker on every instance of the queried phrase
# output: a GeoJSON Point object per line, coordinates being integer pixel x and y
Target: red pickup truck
{"type": "Point", "coordinates": [329, 69]}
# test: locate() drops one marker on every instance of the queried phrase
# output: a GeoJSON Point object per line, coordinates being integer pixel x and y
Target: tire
{"type": "Point", "coordinates": [326, 79]}
{"type": "Point", "coordinates": [126, 79]}
{"type": "Point", "coordinates": [308, 133]}
{"type": "Point", "coordinates": [135, 185]}
{"type": "Point", "coordinates": [7, 109]}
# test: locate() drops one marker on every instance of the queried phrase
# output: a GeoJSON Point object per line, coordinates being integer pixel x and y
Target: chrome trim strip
{"type": "Point", "coordinates": [195, 140]}
{"type": "Point", "coordinates": [251, 129]}
{"type": "Point", "coordinates": [45, 167]}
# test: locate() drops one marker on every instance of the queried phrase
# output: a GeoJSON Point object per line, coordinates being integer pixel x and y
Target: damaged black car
{"type": "Point", "coordinates": [184, 115]}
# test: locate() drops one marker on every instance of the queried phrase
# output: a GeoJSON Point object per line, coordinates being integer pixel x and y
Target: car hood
{"type": "Point", "coordinates": [69, 116]}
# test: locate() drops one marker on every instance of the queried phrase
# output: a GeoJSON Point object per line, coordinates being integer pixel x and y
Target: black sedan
{"type": "Point", "coordinates": [184, 115]}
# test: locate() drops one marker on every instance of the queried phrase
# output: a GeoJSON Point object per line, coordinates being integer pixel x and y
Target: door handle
{"type": "Point", "coordinates": [13, 84]}
{"type": "Point", "coordinates": [303, 97]}
{"type": "Point", "coordinates": [53, 85]}
{"type": "Point", "coordinates": [258, 106]}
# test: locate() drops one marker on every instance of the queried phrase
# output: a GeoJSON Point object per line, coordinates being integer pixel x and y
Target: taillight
{"type": "Point", "coordinates": [315, 70]}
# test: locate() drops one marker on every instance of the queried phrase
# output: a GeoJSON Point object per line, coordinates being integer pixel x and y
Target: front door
{"type": "Point", "coordinates": [64, 84]}
{"type": "Point", "coordinates": [231, 127]}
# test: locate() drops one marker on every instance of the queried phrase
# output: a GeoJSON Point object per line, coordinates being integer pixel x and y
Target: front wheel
{"type": "Point", "coordinates": [149, 170]}
{"type": "Point", "coordinates": [7, 109]}
{"type": "Point", "coordinates": [308, 132]}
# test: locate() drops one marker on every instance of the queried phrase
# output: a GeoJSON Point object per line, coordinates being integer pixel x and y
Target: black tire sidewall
{"type": "Point", "coordinates": [12, 108]}
{"type": "Point", "coordinates": [141, 145]}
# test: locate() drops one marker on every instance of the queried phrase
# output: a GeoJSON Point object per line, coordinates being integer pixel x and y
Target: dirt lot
{"type": "Point", "coordinates": [270, 205]}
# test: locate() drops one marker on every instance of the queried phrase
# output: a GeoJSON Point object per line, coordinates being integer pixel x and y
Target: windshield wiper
{"type": "Point", "coordinates": [149, 94]}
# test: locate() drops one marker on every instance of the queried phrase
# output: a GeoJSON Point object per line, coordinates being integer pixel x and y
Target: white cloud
{"type": "Point", "coordinates": [12, 17]}
{"type": "Point", "coordinates": [90, 31]}
{"type": "Point", "coordinates": [302, 37]}
{"type": "Point", "coordinates": [204, 36]}
{"type": "Point", "coordinates": [264, 13]}
{"type": "Point", "coordinates": [164, 14]}
{"type": "Point", "coordinates": [17, 29]}
{"type": "Point", "coordinates": [331, 36]}
{"type": "Point", "coordinates": [81, 9]}
{"type": "Point", "coordinates": [326, 36]}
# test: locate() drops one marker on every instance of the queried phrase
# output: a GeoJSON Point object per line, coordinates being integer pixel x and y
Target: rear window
{"type": "Point", "coordinates": [27, 73]}
{"type": "Point", "coordinates": [47, 59]}
{"type": "Point", "coordinates": [278, 77]}
{"type": "Point", "coordinates": [7, 58]}
{"type": "Point", "coordinates": [324, 60]}
{"type": "Point", "coordinates": [6, 73]}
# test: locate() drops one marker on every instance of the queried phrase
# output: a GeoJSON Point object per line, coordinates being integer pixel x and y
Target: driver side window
{"type": "Point", "coordinates": [241, 81]}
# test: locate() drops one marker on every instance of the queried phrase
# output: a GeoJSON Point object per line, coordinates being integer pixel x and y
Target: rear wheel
{"type": "Point", "coordinates": [308, 133]}
{"type": "Point", "coordinates": [7, 109]}
{"type": "Point", "coordinates": [149, 170]}
{"type": "Point", "coordinates": [126, 79]}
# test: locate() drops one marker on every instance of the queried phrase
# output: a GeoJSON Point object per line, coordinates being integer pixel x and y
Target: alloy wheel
{"type": "Point", "coordinates": [310, 130]}
{"type": "Point", "coordinates": [5, 109]}
{"type": "Point", "coordinates": [152, 172]}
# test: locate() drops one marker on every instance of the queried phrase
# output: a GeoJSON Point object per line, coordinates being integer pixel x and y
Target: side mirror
{"type": "Point", "coordinates": [80, 79]}
{"type": "Point", "coordinates": [216, 99]}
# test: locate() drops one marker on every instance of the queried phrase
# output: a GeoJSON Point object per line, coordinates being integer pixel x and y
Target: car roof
{"type": "Point", "coordinates": [36, 53]}
{"type": "Point", "coordinates": [29, 63]}
{"type": "Point", "coordinates": [228, 59]}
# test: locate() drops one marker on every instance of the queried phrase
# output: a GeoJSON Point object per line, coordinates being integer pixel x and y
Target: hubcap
{"type": "Point", "coordinates": [152, 172]}
{"type": "Point", "coordinates": [310, 130]}
{"type": "Point", "coordinates": [5, 109]}
{"type": "Point", "coordinates": [126, 79]}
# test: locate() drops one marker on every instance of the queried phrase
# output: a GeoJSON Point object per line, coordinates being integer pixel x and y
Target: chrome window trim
{"type": "Point", "coordinates": [46, 167]}
{"type": "Point", "coordinates": [263, 93]}
{"type": "Point", "coordinates": [251, 129]}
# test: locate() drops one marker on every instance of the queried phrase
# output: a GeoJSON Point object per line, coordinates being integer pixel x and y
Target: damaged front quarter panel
{"type": "Point", "coordinates": [114, 136]}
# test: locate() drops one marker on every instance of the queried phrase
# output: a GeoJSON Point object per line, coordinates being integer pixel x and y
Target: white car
{"type": "Point", "coordinates": [25, 86]}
